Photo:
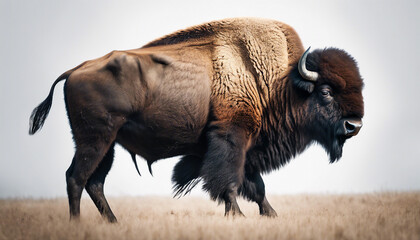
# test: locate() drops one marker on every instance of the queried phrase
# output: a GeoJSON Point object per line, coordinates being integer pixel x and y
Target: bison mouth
{"type": "Point", "coordinates": [344, 129]}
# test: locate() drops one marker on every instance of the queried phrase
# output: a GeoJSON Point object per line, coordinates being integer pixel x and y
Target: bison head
{"type": "Point", "coordinates": [330, 99]}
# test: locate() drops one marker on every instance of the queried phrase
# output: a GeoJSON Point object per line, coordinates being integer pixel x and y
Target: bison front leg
{"type": "Point", "coordinates": [253, 188]}
{"type": "Point", "coordinates": [223, 164]}
{"type": "Point", "coordinates": [231, 206]}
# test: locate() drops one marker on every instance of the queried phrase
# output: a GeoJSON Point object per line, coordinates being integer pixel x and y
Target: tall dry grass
{"type": "Point", "coordinates": [367, 216]}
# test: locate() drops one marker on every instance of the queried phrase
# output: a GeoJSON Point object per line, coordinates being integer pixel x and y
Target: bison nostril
{"type": "Point", "coordinates": [352, 128]}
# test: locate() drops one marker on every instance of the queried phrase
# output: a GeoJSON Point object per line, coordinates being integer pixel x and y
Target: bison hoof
{"type": "Point", "coordinates": [268, 211]}
{"type": "Point", "coordinates": [234, 213]}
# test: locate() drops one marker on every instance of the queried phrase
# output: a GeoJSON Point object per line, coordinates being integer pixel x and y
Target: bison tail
{"type": "Point", "coordinates": [40, 113]}
{"type": "Point", "coordinates": [186, 175]}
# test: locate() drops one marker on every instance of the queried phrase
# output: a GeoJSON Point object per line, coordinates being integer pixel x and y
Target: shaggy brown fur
{"type": "Point", "coordinates": [227, 95]}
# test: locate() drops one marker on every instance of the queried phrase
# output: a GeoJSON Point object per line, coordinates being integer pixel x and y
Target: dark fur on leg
{"type": "Point", "coordinates": [85, 161]}
{"type": "Point", "coordinates": [74, 193]}
{"type": "Point", "coordinates": [223, 164]}
{"type": "Point", "coordinates": [95, 186]}
{"type": "Point", "coordinates": [224, 160]}
{"type": "Point", "coordinates": [231, 206]}
{"type": "Point", "coordinates": [94, 136]}
{"type": "Point", "coordinates": [253, 189]}
{"type": "Point", "coordinates": [186, 175]}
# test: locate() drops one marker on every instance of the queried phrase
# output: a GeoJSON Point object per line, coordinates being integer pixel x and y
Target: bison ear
{"type": "Point", "coordinates": [303, 84]}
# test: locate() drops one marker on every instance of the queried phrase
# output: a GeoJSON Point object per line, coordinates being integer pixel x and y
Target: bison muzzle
{"type": "Point", "coordinates": [235, 98]}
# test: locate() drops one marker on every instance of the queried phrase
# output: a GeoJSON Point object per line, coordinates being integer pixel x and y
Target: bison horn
{"type": "Point", "coordinates": [306, 74]}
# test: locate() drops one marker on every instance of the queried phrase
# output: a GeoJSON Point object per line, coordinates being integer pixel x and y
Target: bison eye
{"type": "Point", "coordinates": [326, 93]}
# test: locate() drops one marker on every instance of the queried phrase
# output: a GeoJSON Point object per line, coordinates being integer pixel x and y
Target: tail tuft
{"type": "Point", "coordinates": [40, 113]}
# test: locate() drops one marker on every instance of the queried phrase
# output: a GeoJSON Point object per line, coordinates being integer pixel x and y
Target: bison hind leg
{"type": "Point", "coordinates": [94, 136]}
{"type": "Point", "coordinates": [186, 175]}
{"type": "Point", "coordinates": [87, 166]}
{"type": "Point", "coordinates": [95, 185]}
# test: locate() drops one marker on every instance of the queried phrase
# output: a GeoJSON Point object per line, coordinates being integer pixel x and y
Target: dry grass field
{"type": "Point", "coordinates": [364, 216]}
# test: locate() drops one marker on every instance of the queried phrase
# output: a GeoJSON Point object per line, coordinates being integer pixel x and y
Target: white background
{"type": "Point", "coordinates": [39, 40]}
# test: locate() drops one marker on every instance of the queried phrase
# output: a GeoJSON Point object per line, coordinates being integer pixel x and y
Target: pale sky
{"type": "Point", "coordinates": [39, 40]}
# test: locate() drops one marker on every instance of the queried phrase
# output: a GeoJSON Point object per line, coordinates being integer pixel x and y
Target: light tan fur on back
{"type": "Point", "coordinates": [248, 55]}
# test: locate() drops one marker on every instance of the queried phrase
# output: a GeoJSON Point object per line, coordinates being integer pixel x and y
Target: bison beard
{"type": "Point", "coordinates": [332, 141]}
{"type": "Point", "coordinates": [336, 149]}
{"type": "Point", "coordinates": [235, 98]}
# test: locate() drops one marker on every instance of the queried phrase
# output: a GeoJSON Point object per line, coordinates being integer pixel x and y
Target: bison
{"type": "Point", "coordinates": [235, 98]}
